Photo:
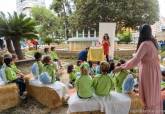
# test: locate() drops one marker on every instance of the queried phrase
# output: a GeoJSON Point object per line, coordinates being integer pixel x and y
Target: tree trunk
{"type": "Point", "coordinates": [17, 46]}
{"type": "Point", "coordinates": [9, 45]}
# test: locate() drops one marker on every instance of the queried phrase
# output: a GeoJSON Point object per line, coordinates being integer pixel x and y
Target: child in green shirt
{"type": "Point", "coordinates": [49, 67]}
{"type": "Point", "coordinates": [72, 74]}
{"type": "Point", "coordinates": [12, 77]}
{"type": "Point", "coordinates": [84, 83]}
{"type": "Point", "coordinates": [55, 57]}
{"type": "Point", "coordinates": [14, 67]}
{"type": "Point", "coordinates": [37, 67]}
{"type": "Point", "coordinates": [77, 67]}
{"type": "Point", "coordinates": [119, 78]}
{"type": "Point", "coordinates": [102, 83]}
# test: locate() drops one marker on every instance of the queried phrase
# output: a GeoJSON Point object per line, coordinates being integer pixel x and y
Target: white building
{"type": "Point", "coordinates": [24, 6]}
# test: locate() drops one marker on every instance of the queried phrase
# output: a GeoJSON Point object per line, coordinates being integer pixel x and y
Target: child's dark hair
{"type": "Point", "coordinates": [46, 59]}
{"type": "Point", "coordinates": [52, 48]}
{"type": "Point", "coordinates": [112, 67]}
{"type": "Point", "coordinates": [122, 61]}
{"type": "Point", "coordinates": [8, 61]}
{"type": "Point", "coordinates": [70, 69]}
{"type": "Point", "coordinates": [104, 67]}
{"type": "Point", "coordinates": [90, 64]}
{"type": "Point", "coordinates": [46, 49]}
{"type": "Point", "coordinates": [37, 56]}
{"type": "Point", "coordinates": [14, 56]}
{"type": "Point", "coordinates": [163, 73]}
{"type": "Point", "coordinates": [1, 60]}
{"type": "Point", "coordinates": [79, 62]}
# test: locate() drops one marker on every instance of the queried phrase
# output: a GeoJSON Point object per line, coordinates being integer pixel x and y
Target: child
{"type": "Point", "coordinates": [13, 78]}
{"type": "Point", "coordinates": [14, 67]}
{"type": "Point", "coordinates": [72, 74]}
{"type": "Point", "coordinates": [96, 68]}
{"type": "Point", "coordinates": [53, 54]}
{"type": "Point", "coordinates": [112, 67]}
{"type": "Point", "coordinates": [49, 70]}
{"type": "Point", "coordinates": [136, 102]}
{"type": "Point", "coordinates": [55, 57]}
{"type": "Point", "coordinates": [163, 80]}
{"type": "Point", "coordinates": [77, 67]}
{"type": "Point", "coordinates": [46, 51]}
{"type": "Point", "coordinates": [84, 82]}
{"type": "Point", "coordinates": [119, 78]}
{"type": "Point", "coordinates": [102, 83]}
{"type": "Point", "coordinates": [37, 67]}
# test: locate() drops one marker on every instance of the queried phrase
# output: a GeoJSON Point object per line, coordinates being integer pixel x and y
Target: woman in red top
{"type": "Point", "coordinates": [106, 45]}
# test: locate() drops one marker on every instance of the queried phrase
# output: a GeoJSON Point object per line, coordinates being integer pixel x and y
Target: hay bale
{"type": "Point", "coordinates": [137, 105]}
{"type": "Point", "coordinates": [93, 112]}
{"type": "Point", "coordinates": [9, 96]}
{"type": "Point", "coordinates": [45, 95]}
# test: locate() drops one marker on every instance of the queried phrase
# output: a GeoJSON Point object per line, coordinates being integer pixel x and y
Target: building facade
{"type": "Point", "coordinates": [25, 6]}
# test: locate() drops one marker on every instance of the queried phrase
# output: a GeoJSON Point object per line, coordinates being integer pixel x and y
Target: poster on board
{"type": "Point", "coordinates": [110, 29]}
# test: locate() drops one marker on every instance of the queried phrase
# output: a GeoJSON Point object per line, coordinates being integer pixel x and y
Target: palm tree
{"type": "Point", "coordinates": [4, 32]}
{"type": "Point", "coordinates": [20, 27]}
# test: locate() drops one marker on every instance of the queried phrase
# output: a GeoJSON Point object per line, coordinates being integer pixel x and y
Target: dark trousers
{"type": "Point", "coordinates": [21, 85]}
{"type": "Point", "coordinates": [107, 58]}
{"type": "Point", "coordinates": [164, 106]}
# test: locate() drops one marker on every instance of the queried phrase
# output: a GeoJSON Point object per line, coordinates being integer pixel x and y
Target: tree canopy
{"type": "Point", "coordinates": [48, 23]}
{"type": "Point", "coordinates": [126, 13]}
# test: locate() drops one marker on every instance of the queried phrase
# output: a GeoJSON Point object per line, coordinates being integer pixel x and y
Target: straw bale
{"type": "Point", "coordinates": [45, 95]}
{"type": "Point", "coordinates": [93, 112]}
{"type": "Point", "coordinates": [9, 96]}
{"type": "Point", "coordinates": [137, 106]}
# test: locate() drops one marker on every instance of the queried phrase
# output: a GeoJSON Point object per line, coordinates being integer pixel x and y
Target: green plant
{"type": "Point", "coordinates": [124, 37]}
{"type": "Point", "coordinates": [48, 41]}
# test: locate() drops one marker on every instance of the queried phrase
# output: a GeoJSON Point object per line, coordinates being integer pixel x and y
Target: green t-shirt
{"type": "Point", "coordinates": [84, 86]}
{"type": "Point", "coordinates": [10, 74]}
{"type": "Point", "coordinates": [102, 84]}
{"type": "Point", "coordinates": [50, 70]}
{"type": "Point", "coordinates": [119, 79]}
{"type": "Point", "coordinates": [40, 66]}
{"type": "Point", "coordinates": [72, 76]}
{"type": "Point", "coordinates": [14, 67]}
{"type": "Point", "coordinates": [77, 68]}
{"type": "Point", "coordinates": [53, 55]}
{"type": "Point", "coordinates": [162, 84]}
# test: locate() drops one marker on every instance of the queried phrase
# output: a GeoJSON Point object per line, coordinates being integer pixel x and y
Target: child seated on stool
{"type": "Point", "coordinates": [48, 74]}
{"type": "Point", "coordinates": [102, 83]}
{"type": "Point", "coordinates": [72, 74]}
{"type": "Point", "coordinates": [136, 102]}
{"type": "Point", "coordinates": [13, 65]}
{"type": "Point", "coordinates": [12, 77]}
{"type": "Point", "coordinates": [37, 67]}
{"type": "Point", "coordinates": [119, 78]}
{"type": "Point", "coordinates": [84, 82]}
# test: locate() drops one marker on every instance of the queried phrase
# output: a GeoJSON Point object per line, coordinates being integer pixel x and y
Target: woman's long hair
{"type": "Point", "coordinates": [146, 35]}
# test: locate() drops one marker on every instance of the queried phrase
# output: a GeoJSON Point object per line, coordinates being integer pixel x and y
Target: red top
{"type": "Point", "coordinates": [106, 46]}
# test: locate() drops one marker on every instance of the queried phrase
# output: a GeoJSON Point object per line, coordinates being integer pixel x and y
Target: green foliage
{"type": "Point", "coordinates": [48, 41]}
{"type": "Point", "coordinates": [124, 37]}
{"type": "Point", "coordinates": [63, 10]}
{"type": "Point", "coordinates": [126, 13]}
{"type": "Point", "coordinates": [17, 27]}
{"type": "Point", "coordinates": [49, 25]}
